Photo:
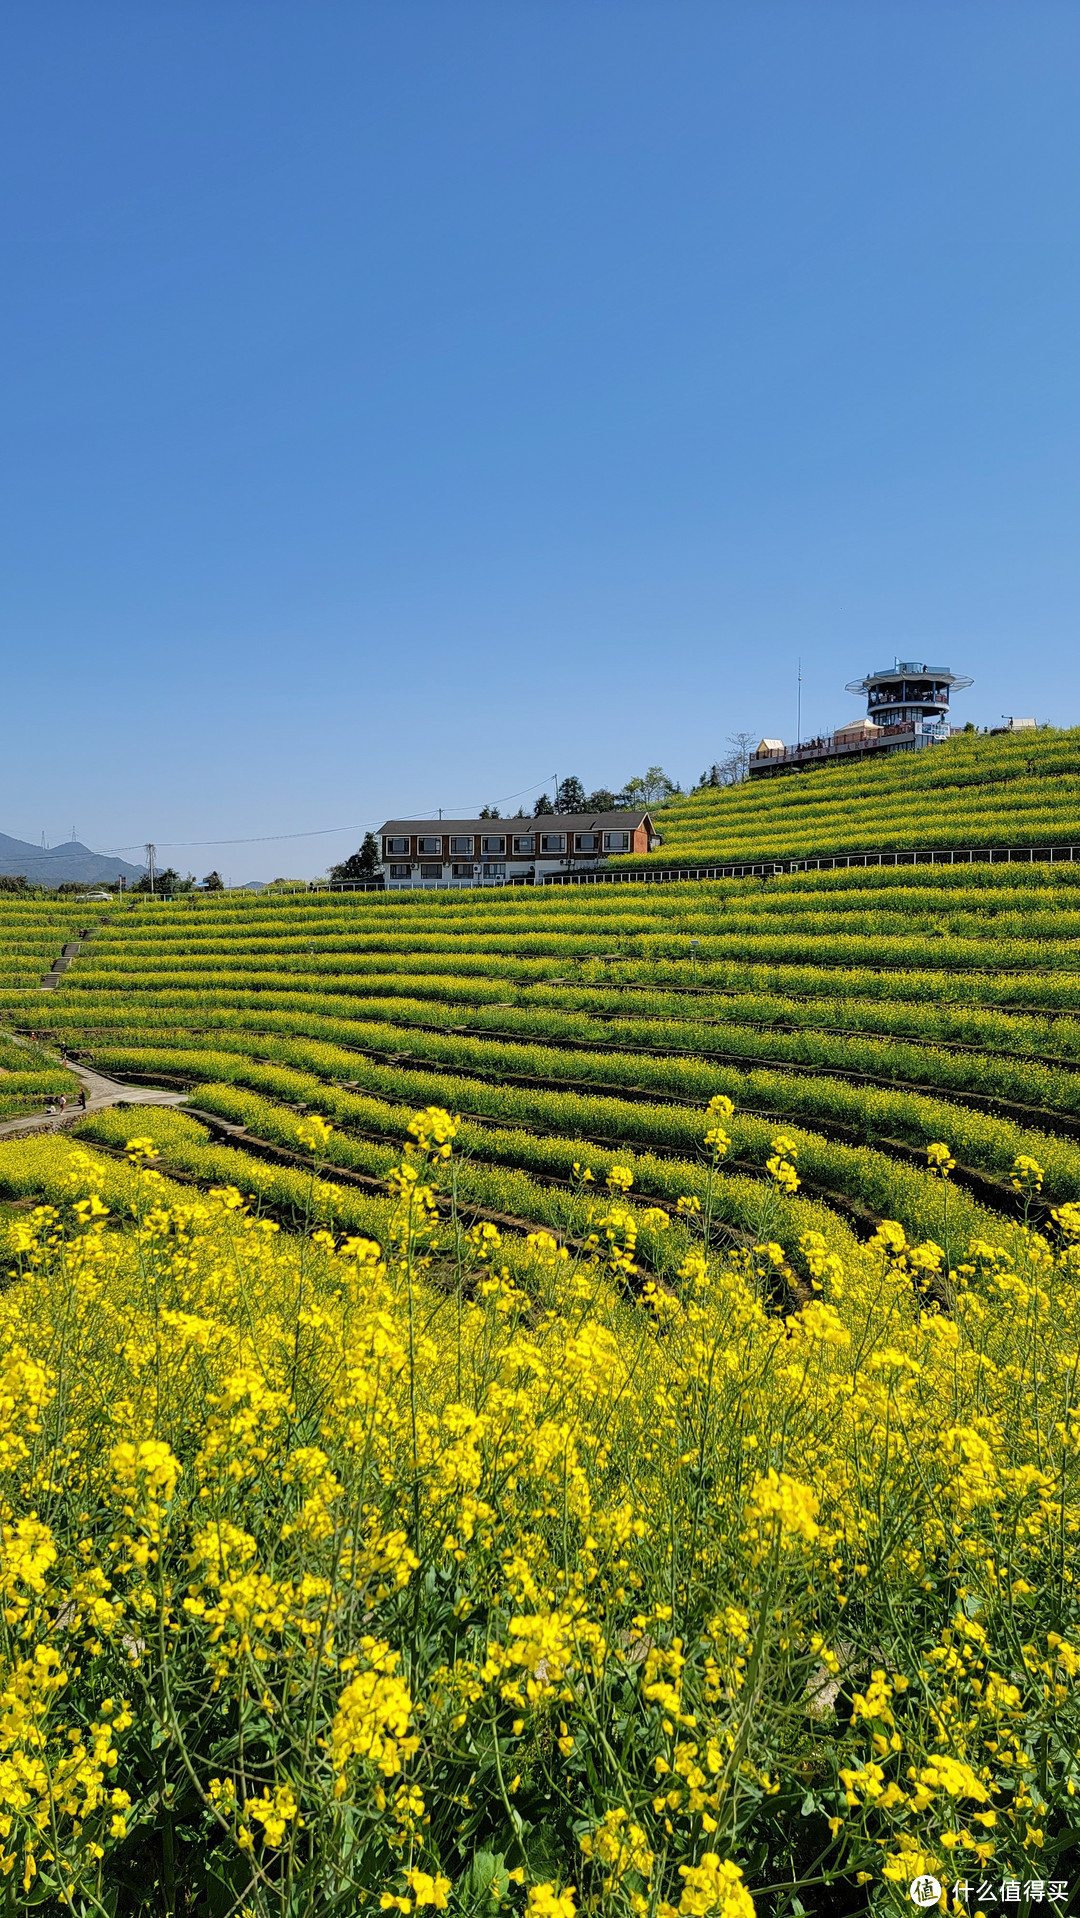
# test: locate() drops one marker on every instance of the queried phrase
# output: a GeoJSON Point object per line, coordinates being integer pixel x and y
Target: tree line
{"type": "Point", "coordinates": [648, 789]}
{"type": "Point", "coordinates": [169, 882]}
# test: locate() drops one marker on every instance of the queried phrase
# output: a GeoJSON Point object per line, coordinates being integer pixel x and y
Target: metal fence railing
{"type": "Point", "coordinates": [666, 875]}
{"type": "Point", "coordinates": [766, 868]}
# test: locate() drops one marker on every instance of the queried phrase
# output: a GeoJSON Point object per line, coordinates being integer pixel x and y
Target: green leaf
{"type": "Point", "coordinates": [483, 1884]}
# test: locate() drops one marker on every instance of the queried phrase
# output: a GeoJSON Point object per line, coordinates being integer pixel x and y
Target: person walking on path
{"type": "Point", "coordinates": [63, 1102]}
{"type": "Point", "coordinates": [82, 1098]}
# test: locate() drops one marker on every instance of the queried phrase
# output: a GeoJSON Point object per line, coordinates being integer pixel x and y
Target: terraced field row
{"type": "Point", "coordinates": [33, 933]}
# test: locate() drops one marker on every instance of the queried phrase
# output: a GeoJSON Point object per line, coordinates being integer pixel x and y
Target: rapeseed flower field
{"type": "Point", "coordinates": [578, 1415]}
{"type": "Point", "coordinates": [343, 1575]}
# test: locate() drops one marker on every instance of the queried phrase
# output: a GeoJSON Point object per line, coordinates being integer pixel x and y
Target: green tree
{"type": "Point", "coordinates": [361, 865]}
{"type": "Point", "coordinates": [650, 788]}
{"type": "Point", "coordinates": [542, 807]}
{"type": "Point", "coordinates": [167, 882]}
{"type": "Point", "coordinates": [735, 768]}
{"type": "Point", "coordinates": [570, 796]}
{"type": "Point", "coordinates": [214, 882]}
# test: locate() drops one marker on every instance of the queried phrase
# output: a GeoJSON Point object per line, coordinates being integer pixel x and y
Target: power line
{"type": "Point", "coordinates": [318, 832]}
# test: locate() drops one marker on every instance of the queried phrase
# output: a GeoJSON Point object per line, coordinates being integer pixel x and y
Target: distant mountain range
{"type": "Point", "coordinates": [57, 865]}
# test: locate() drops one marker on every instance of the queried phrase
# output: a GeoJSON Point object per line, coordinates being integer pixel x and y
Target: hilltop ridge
{"type": "Point", "coordinates": [69, 863]}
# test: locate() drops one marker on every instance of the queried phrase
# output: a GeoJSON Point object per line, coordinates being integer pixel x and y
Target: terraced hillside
{"type": "Point", "coordinates": [577, 1415]}
{"type": "Point", "coordinates": [976, 790]}
{"type": "Point", "coordinates": [870, 1014]}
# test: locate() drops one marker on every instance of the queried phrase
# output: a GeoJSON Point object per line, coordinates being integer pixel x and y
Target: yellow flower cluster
{"type": "Point", "coordinates": [433, 1131]}
{"type": "Point", "coordinates": [781, 1166]}
{"type": "Point", "coordinates": [792, 1506]}
{"type": "Point", "coordinates": [940, 1160]}
{"type": "Point", "coordinates": [1027, 1175]}
{"type": "Point", "coordinates": [372, 1717]}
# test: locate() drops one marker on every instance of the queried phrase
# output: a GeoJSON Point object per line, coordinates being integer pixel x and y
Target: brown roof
{"type": "Point", "coordinates": [543, 822]}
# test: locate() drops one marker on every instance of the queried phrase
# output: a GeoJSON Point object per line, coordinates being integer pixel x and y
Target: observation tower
{"type": "Point", "coordinates": [910, 693]}
{"type": "Point", "coordinates": [907, 708]}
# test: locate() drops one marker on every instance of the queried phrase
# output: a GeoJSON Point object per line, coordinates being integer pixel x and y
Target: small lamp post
{"type": "Point", "coordinates": [694, 944]}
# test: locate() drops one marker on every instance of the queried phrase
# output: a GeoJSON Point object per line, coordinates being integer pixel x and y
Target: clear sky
{"type": "Point", "coordinates": [405, 402]}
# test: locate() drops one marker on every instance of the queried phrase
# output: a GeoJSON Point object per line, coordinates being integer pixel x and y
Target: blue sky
{"type": "Point", "coordinates": [405, 402]}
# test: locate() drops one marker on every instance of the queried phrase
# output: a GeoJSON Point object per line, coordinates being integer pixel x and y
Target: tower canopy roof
{"type": "Point", "coordinates": [911, 669]}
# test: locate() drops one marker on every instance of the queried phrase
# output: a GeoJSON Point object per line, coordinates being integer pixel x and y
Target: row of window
{"type": "Point", "coordinates": [458, 870]}
{"type": "Point", "coordinates": [887, 694]}
{"type": "Point", "coordinates": [493, 845]}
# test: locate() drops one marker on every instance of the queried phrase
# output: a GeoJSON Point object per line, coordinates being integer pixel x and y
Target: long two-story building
{"type": "Point", "coordinates": [500, 852]}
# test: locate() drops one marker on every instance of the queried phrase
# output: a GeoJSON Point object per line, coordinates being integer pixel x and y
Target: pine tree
{"type": "Point", "coordinates": [570, 796]}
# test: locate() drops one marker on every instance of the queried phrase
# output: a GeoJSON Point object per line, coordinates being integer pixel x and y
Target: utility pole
{"type": "Point", "coordinates": [150, 866]}
{"type": "Point", "coordinates": [799, 720]}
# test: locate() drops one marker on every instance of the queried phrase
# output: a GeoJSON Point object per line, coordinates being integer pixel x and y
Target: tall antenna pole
{"type": "Point", "coordinates": [799, 720]}
{"type": "Point", "coordinates": [150, 866]}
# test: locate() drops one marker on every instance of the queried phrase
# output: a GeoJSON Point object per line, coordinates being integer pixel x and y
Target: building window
{"type": "Point", "coordinates": [494, 872]}
{"type": "Point", "coordinates": [552, 842]}
{"type": "Point", "coordinates": [586, 841]}
{"type": "Point", "coordinates": [461, 844]}
{"type": "Point", "coordinates": [494, 845]}
{"type": "Point", "coordinates": [394, 845]}
{"type": "Point", "coordinates": [463, 872]}
{"type": "Point", "coordinates": [616, 842]}
{"type": "Point", "coordinates": [431, 872]}
{"type": "Point", "coordinates": [525, 842]}
{"type": "Point", "coordinates": [429, 845]}
{"type": "Point", "coordinates": [400, 872]}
